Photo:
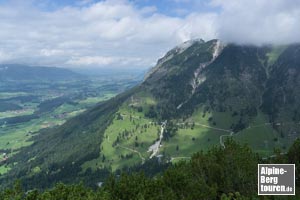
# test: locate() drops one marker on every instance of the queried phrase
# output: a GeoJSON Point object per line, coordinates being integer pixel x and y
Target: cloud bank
{"type": "Point", "coordinates": [259, 21]}
{"type": "Point", "coordinates": [120, 33]}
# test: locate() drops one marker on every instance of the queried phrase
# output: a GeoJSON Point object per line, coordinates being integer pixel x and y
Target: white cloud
{"type": "Point", "coordinates": [107, 60]}
{"type": "Point", "coordinates": [92, 60]}
{"type": "Point", "coordinates": [51, 52]}
{"type": "Point", "coordinates": [95, 34]}
{"type": "Point", "coordinates": [3, 56]}
{"type": "Point", "coordinates": [118, 33]}
{"type": "Point", "coordinates": [259, 21]}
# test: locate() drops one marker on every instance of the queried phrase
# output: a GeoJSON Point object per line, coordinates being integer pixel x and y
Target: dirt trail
{"type": "Point", "coordinates": [132, 150]}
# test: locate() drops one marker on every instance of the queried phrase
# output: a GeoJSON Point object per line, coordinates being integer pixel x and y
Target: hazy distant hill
{"type": "Point", "coordinates": [15, 72]}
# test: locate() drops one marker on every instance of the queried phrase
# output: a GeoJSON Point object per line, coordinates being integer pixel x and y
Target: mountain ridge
{"type": "Point", "coordinates": [18, 72]}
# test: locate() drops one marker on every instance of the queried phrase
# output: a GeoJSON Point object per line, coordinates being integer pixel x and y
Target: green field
{"type": "Point", "coordinates": [93, 100]}
{"type": "Point", "coordinates": [275, 53]}
{"type": "Point", "coordinates": [187, 141]}
{"type": "Point", "coordinates": [6, 95]}
{"type": "Point", "coordinates": [16, 113]}
{"type": "Point", "coordinates": [262, 137]}
{"type": "Point", "coordinates": [4, 169]}
{"type": "Point", "coordinates": [128, 138]}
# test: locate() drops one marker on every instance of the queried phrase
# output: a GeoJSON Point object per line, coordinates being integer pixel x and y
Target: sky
{"type": "Point", "coordinates": [134, 33]}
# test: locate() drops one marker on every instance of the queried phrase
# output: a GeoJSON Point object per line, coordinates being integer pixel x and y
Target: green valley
{"type": "Point", "coordinates": [31, 106]}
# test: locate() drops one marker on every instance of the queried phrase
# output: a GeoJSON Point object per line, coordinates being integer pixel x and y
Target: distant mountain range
{"type": "Point", "coordinates": [198, 94]}
{"type": "Point", "coordinates": [15, 72]}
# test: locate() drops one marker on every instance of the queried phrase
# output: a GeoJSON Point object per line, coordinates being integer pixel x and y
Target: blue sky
{"type": "Point", "coordinates": [178, 8]}
{"type": "Point", "coordinates": [174, 8]}
{"type": "Point", "coordinates": [134, 33]}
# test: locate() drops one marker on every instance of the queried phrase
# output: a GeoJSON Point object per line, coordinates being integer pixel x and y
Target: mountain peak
{"type": "Point", "coordinates": [195, 47]}
{"type": "Point", "coordinates": [183, 46]}
{"type": "Point", "coordinates": [179, 49]}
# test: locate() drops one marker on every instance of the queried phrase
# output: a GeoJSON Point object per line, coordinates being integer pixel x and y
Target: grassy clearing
{"type": "Point", "coordinates": [16, 136]}
{"type": "Point", "coordinates": [128, 138]}
{"type": "Point", "coordinates": [200, 116]}
{"type": "Point", "coordinates": [13, 137]}
{"type": "Point", "coordinates": [201, 137]}
{"type": "Point", "coordinates": [93, 100]}
{"type": "Point", "coordinates": [132, 131]}
{"type": "Point", "coordinates": [275, 53]}
{"type": "Point", "coordinates": [65, 108]}
{"type": "Point", "coordinates": [188, 141]}
{"type": "Point", "coordinates": [16, 113]}
{"type": "Point", "coordinates": [261, 136]}
{"type": "Point", "coordinates": [221, 120]}
{"type": "Point", "coordinates": [4, 169]}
